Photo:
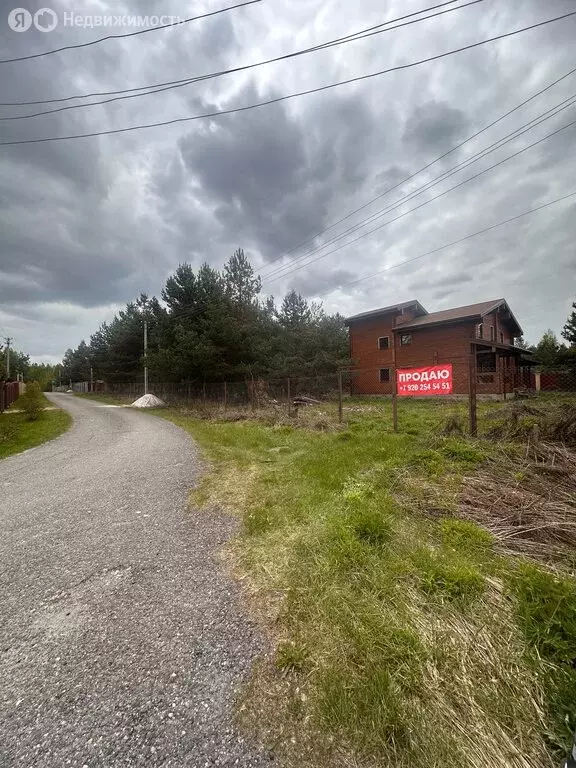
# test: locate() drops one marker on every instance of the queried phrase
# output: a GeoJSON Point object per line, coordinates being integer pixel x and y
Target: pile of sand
{"type": "Point", "coordinates": [148, 401]}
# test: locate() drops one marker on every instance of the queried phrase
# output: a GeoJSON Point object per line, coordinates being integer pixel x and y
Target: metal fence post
{"type": "Point", "coordinates": [394, 385]}
{"type": "Point", "coordinates": [288, 396]}
{"type": "Point", "coordinates": [340, 396]}
{"type": "Point", "coordinates": [225, 396]}
{"type": "Point", "coordinates": [472, 395]}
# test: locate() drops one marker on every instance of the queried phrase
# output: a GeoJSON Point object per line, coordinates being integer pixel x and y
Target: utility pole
{"type": "Point", "coordinates": [8, 342]}
{"type": "Point", "coordinates": [145, 356]}
{"type": "Point", "coordinates": [89, 361]}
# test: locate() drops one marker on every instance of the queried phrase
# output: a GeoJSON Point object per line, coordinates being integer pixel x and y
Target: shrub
{"type": "Point", "coordinates": [31, 401]}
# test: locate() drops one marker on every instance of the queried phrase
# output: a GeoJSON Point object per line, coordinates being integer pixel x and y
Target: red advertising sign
{"type": "Point", "coordinates": [433, 380]}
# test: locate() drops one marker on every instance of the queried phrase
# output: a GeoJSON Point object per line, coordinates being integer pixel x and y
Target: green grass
{"type": "Point", "coordinates": [405, 638]}
{"type": "Point", "coordinates": [17, 434]}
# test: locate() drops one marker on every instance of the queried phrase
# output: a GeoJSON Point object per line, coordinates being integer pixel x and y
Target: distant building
{"type": "Point", "coordinates": [408, 336]}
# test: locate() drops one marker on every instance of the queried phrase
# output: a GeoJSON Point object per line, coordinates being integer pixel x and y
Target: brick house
{"type": "Point", "coordinates": [408, 336]}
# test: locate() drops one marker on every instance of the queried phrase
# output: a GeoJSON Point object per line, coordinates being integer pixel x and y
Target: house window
{"type": "Point", "coordinates": [384, 342]}
{"type": "Point", "coordinates": [501, 337]}
{"type": "Point", "coordinates": [384, 375]}
{"type": "Point", "coordinates": [486, 362]}
{"type": "Point", "coordinates": [405, 339]}
{"type": "Point", "coordinates": [479, 331]}
{"type": "Point", "coordinates": [492, 333]}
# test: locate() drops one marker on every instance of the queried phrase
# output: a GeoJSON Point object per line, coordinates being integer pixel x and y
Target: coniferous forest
{"type": "Point", "coordinates": [211, 325]}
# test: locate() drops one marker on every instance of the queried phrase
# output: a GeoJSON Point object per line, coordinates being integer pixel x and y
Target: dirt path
{"type": "Point", "coordinates": [122, 639]}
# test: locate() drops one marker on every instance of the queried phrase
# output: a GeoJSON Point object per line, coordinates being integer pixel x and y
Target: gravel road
{"type": "Point", "coordinates": [123, 640]}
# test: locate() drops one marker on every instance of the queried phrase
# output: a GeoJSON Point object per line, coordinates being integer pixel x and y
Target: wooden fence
{"type": "Point", "coordinates": [9, 392]}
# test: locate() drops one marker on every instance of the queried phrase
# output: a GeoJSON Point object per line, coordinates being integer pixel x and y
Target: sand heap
{"type": "Point", "coordinates": [148, 401]}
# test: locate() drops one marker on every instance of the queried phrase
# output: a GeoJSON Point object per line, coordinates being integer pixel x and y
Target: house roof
{"type": "Point", "coordinates": [385, 310]}
{"type": "Point", "coordinates": [491, 345]}
{"type": "Point", "coordinates": [469, 312]}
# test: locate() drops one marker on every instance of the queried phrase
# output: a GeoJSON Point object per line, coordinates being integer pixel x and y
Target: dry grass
{"type": "Point", "coordinates": [552, 421]}
{"type": "Point", "coordinates": [527, 503]}
{"type": "Point", "coordinates": [401, 640]}
{"type": "Point", "coordinates": [322, 417]}
{"type": "Point", "coordinates": [480, 697]}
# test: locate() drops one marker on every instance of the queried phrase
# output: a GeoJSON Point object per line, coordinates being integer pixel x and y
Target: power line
{"type": "Point", "coordinates": [127, 34]}
{"type": "Point", "coordinates": [201, 78]}
{"type": "Point", "coordinates": [197, 78]}
{"type": "Point", "coordinates": [172, 85]}
{"type": "Point", "coordinates": [427, 202]}
{"type": "Point", "coordinates": [190, 313]}
{"type": "Point", "coordinates": [311, 238]}
{"type": "Point", "coordinates": [516, 133]}
{"type": "Point", "coordinates": [284, 98]}
{"type": "Point", "coordinates": [449, 245]}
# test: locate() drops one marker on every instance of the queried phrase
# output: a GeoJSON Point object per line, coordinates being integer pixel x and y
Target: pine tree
{"type": "Point", "coordinates": [241, 284]}
{"type": "Point", "coordinates": [569, 330]}
{"type": "Point", "coordinates": [547, 349]}
{"type": "Point", "coordinates": [295, 311]}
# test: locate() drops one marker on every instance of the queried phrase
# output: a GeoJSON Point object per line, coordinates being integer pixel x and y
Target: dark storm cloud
{"type": "Point", "coordinates": [257, 174]}
{"type": "Point", "coordinates": [271, 179]}
{"type": "Point", "coordinates": [434, 127]}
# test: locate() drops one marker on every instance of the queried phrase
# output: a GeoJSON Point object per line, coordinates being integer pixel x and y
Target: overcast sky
{"type": "Point", "coordinates": [88, 224]}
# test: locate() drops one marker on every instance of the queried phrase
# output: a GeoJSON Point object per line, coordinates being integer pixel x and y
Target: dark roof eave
{"type": "Point", "coordinates": [386, 310]}
{"type": "Point", "coordinates": [451, 321]}
{"type": "Point", "coordinates": [498, 345]}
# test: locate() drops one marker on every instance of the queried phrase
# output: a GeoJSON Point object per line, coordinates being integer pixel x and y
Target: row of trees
{"type": "Point", "coordinates": [19, 362]}
{"type": "Point", "coordinates": [551, 353]}
{"type": "Point", "coordinates": [20, 365]}
{"type": "Point", "coordinates": [212, 325]}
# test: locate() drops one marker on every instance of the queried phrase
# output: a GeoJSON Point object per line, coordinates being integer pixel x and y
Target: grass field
{"type": "Point", "coordinates": [405, 634]}
{"type": "Point", "coordinates": [17, 434]}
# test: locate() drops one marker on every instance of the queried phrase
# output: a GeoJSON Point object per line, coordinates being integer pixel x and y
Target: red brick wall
{"type": "Point", "coordinates": [430, 346]}
{"type": "Point", "coordinates": [500, 324]}
{"type": "Point", "coordinates": [368, 358]}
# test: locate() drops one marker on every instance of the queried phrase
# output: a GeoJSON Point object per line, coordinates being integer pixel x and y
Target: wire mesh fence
{"type": "Point", "coordinates": [456, 391]}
